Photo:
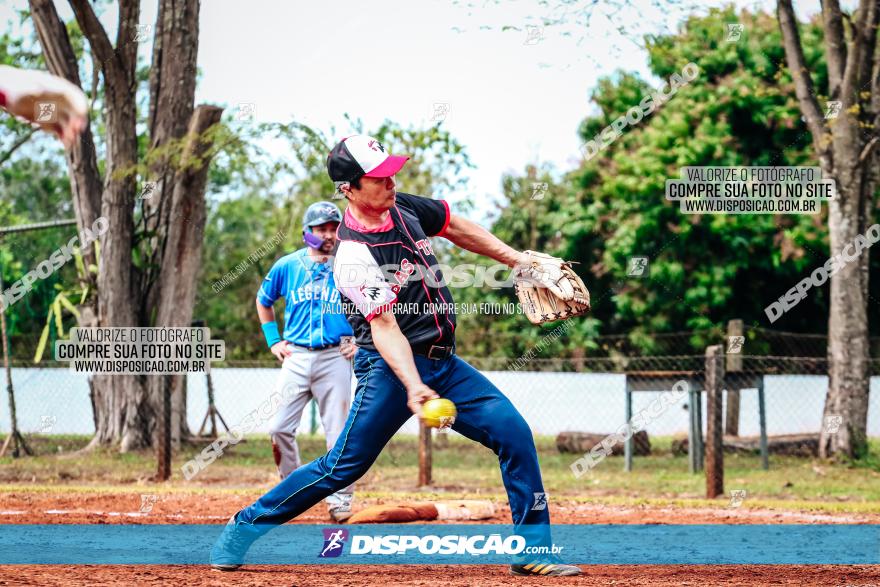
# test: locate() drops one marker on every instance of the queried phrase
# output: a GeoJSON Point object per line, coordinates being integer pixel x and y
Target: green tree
{"type": "Point", "coordinates": [704, 269]}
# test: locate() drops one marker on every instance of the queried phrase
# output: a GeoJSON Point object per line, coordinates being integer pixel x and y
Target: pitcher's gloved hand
{"type": "Point", "coordinates": [548, 288]}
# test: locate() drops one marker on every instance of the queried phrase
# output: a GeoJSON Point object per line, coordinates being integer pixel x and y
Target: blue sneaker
{"type": "Point", "coordinates": [228, 552]}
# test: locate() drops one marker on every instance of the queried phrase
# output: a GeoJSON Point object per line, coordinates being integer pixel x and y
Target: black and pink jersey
{"type": "Point", "coordinates": [393, 268]}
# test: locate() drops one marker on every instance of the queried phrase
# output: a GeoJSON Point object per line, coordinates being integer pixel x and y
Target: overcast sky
{"type": "Point", "coordinates": [514, 97]}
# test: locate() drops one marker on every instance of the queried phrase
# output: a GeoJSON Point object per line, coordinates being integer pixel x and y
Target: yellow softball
{"type": "Point", "coordinates": [439, 413]}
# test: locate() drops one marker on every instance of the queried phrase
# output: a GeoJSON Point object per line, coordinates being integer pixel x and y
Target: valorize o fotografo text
{"type": "Point", "coordinates": [140, 351]}
{"type": "Point", "coordinates": [750, 190]}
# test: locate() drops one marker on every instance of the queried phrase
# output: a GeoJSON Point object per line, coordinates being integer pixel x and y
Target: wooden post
{"type": "Point", "coordinates": [734, 365]}
{"type": "Point", "coordinates": [163, 432]}
{"type": "Point", "coordinates": [424, 455]}
{"type": "Point", "coordinates": [628, 445]}
{"type": "Point", "coordinates": [714, 433]}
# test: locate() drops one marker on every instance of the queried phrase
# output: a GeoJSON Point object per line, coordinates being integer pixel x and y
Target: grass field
{"type": "Point", "coordinates": [464, 469]}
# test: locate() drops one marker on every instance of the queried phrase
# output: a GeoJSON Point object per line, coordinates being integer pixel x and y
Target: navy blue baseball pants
{"type": "Point", "coordinates": [379, 410]}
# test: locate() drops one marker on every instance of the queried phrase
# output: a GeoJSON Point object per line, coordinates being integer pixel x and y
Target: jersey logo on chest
{"type": "Point", "coordinates": [403, 274]}
{"type": "Point", "coordinates": [424, 246]}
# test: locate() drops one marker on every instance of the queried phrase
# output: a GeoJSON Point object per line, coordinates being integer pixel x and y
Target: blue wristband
{"type": "Point", "coordinates": [270, 331]}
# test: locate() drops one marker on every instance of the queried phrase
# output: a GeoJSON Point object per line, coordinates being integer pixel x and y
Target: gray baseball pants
{"type": "Point", "coordinates": [327, 377]}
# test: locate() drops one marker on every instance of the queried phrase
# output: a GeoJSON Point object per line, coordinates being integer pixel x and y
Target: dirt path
{"type": "Point", "coordinates": [125, 508]}
{"type": "Point", "coordinates": [439, 576]}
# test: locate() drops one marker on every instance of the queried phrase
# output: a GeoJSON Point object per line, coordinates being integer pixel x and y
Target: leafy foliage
{"type": "Point", "coordinates": [704, 269]}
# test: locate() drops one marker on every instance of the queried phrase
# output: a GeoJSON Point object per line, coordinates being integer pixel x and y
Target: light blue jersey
{"type": "Point", "coordinates": [313, 314]}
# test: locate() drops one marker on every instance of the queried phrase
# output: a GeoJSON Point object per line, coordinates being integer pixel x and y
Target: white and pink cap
{"type": "Point", "coordinates": [362, 156]}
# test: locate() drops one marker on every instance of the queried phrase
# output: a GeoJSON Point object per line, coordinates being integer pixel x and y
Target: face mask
{"type": "Point", "coordinates": [312, 240]}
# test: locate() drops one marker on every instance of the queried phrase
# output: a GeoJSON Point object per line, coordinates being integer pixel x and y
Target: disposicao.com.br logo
{"type": "Point", "coordinates": [475, 545]}
{"type": "Point", "coordinates": [394, 544]}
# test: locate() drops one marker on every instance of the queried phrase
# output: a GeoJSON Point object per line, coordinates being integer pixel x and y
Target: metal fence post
{"type": "Point", "coordinates": [628, 445]}
{"type": "Point", "coordinates": [762, 419]}
{"type": "Point", "coordinates": [734, 365]}
{"type": "Point", "coordinates": [213, 413]}
{"type": "Point", "coordinates": [698, 429]}
{"type": "Point", "coordinates": [693, 429]}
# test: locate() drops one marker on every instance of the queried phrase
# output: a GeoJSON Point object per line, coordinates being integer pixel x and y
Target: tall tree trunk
{"type": "Point", "coordinates": [171, 118]}
{"type": "Point", "coordinates": [848, 154]}
{"type": "Point", "coordinates": [854, 165]}
{"type": "Point", "coordinates": [183, 255]}
{"type": "Point", "coordinates": [848, 377]}
{"type": "Point", "coordinates": [126, 406]}
{"type": "Point", "coordinates": [127, 420]}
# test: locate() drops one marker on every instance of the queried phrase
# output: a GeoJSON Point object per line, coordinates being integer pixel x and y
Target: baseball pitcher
{"type": "Point", "coordinates": [315, 351]}
{"type": "Point", "coordinates": [406, 358]}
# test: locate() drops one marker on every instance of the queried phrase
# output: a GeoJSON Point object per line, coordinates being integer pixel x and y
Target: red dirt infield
{"type": "Point", "coordinates": [180, 508]}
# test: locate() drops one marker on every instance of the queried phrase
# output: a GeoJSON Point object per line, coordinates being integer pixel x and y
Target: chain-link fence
{"type": "Point", "coordinates": [593, 395]}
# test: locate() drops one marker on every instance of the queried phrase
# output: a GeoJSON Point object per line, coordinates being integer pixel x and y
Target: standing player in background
{"type": "Point", "coordinates": [51, 102]}
{"type": "Point", "coordinates": [405, 358]}
{"type": "Point", "coordinates": [316, 349]}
